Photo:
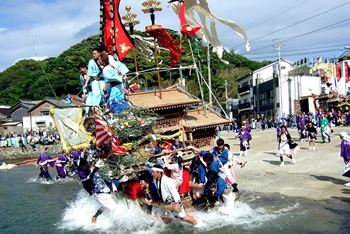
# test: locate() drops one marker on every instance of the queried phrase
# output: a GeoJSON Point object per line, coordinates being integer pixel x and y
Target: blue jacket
{"type": "Point", "coordinates": [220, 186]}
{"type": "Point", "coordinates": [223, 157]}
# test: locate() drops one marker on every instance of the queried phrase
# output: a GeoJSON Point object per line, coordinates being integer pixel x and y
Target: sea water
{"type": "Point", "coordinates": [29, 205]}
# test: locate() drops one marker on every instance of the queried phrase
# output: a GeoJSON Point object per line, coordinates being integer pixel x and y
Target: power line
{"type": "Point", "coordinates": [299, 22]}
{"type": "Point", "coordinates": [305, 34]}
{"type": "Point", "coordinates": [313, 48]}
{"type": "Point", "coordinates": [294, 54]}
{"type": "Point", "coordinates": [280, 11]}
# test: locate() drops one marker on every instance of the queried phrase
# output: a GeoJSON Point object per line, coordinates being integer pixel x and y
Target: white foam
{"type": "Point", "coordinates": [36, 180]}
{"type": "Point", "coordinates": [78, 214]}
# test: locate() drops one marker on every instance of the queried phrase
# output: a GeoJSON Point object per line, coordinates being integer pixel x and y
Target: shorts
{"type": "Point", "coordinates": [285, 149]}
{"type": "Point", "coordinates": [157, 211]}
{"type": "Point", "coordinates": [180, 214]}
{"type": "Point", "coordinates": [106, 201]}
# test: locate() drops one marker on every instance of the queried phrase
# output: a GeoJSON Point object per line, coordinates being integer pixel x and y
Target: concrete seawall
{"type": "Point", "coordinates": [11, 153]}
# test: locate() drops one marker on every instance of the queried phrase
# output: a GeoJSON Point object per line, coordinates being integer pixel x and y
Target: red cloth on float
{"type": "Point", "coordinates": [165, 39]}
{"type": "Point", "coordinates": [108, 36]}
{"type": "Point", "coordinates": [133, 190]}
{"type": "Point", "coordinates": [185, 186]}
{"type": "Point", "coordinates": [123, 42]}
{"type": "Point", "coordinates": [186, 28]}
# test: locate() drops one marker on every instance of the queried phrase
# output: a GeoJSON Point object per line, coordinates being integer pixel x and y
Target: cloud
{"type": "Point", "coordinates": [55, 25]}
{"type": "Point", "coordinates": [87, 31]}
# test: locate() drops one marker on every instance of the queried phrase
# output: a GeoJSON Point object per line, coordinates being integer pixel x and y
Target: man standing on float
{"type": "Point", "coordinates": [94, 71]}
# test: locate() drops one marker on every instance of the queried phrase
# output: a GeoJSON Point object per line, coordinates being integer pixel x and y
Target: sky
{"type": "Point", "coordinates": [308, 28]}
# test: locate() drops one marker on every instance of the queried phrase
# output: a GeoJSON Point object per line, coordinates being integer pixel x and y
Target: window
{"type": "Point", "coordinates": [41, 124]}
{"type": "Point", "coordinates": [44, 113]}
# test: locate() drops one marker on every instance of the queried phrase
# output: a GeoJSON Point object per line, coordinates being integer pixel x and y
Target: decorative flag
{"type": "Point", "coordinates": [68, 124]}
{"type": "Point", "coordinates": [104, 134]}
{"type": "Point", "coordinates": [319, 60]}
{"type": "Point", "coordinates": [165, 39]}
{"type": "Point", "coordinates": [209, 34]}
{"type": "Point", "coordinates": [123, 42]}
{"type": "Point", "coordinates": [108, 35]}
{"type": "Point", "coordinates": [337, 71]}
{"type": "Point", "coordinates": [346, 72]}
{"type": "Point", "coordinates": [186, 29]}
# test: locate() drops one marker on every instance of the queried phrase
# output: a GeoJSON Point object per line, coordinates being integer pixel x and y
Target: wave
{"type": "Point", "coordinates": [130, 219]}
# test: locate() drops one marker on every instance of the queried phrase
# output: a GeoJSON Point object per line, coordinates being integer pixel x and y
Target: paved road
{"type": "Point", "coordinates": [316, 174]}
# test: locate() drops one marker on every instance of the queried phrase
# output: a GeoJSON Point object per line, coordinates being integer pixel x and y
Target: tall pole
{"type": "Point", "coordinates": [226, 96]}
{"type": "Point", "coordinates": [209, 75]}
{"type": "Point", "coordinates": [151, 7]}
{"type": "Point", "coordinates": [277, 45]}
{"type": "Point", "coordinates": [131, 22]}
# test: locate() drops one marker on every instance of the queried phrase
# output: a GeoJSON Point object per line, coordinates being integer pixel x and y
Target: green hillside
{"type": "Point", "coordinates": [59, 76]}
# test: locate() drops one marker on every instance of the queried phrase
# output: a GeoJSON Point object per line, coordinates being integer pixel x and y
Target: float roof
{"type": "Point", "coordinates": [171, 98]}
{"type": "Point", "coordinates": [195, 120]}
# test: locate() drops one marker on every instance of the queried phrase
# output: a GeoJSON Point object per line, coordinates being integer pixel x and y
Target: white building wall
{"type": "Point", "coordinates": [35, 121]}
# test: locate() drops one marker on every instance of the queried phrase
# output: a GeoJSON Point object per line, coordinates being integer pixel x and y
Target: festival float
{"type": "Point", "coordinates": [126, 132]}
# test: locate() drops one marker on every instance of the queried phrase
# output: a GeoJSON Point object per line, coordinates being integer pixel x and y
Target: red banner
{"type": "Point", "coordinates": [166, 40]}
{"type": "Point", "coordinates": [337, 71]}
{"type": "Point", "coordinates": [108, 27]}
{"type": "Point", "coordinates": [346, 72]}
{"type": "Point", "coordinates": [123, 42]}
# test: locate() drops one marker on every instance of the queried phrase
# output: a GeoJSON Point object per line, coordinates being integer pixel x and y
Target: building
{"type": "Point", "coordinates": [20, 109]}
{"type": "Point", "coordinates": [39, 115]}
{"type": "Point", "coordinates": [258, 94]}
{"type": "Point", "coordinates": [343, 62]}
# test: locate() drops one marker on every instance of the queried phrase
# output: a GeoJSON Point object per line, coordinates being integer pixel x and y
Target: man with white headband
{"type": "Point", "coordinates": [168, 193]}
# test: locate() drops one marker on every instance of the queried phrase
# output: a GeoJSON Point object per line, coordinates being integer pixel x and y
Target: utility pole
{"type": "Point", "coordinates": [226, 90]}
{"type": "Point", "coordinates": [277, 46]}
{"type": "Point", "coordinates": [209, 76]}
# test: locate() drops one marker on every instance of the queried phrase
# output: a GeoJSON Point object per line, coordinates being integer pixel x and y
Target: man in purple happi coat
{"type": "Point", "coordinates": [302, 125]}
{"type": "Point", "coordinates": [245, 137]}
{"type": "Point", "coordinates": [345, 150]}
{"type": "Point", "coordinates": [43, 160]}
{"type": "Point", "coordinates": [60, 165]}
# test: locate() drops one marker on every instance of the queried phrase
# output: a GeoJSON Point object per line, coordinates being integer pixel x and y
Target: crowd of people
{"type": "Point", "coordinates": [210, 174]}
{"type": "Point", "coordinates": [31, 138]}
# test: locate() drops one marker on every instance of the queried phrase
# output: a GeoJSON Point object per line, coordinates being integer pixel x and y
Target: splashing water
{"type": "Point", "coordinates": [78, 214]}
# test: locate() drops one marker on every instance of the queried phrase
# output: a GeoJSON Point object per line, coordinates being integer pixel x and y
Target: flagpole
{"type": "Point", "coordinates": [131, 22]}
{"type": "Point", "coordinates": [151, 7]}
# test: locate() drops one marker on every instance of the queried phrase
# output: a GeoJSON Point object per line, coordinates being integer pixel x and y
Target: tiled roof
{"type": "Point", "coordinates": [195, 120]}
{"type": "Point", "coordinates": [172, 98]}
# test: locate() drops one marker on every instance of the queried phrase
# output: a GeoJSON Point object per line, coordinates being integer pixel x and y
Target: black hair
{"type": "Point", "coordinates": [177, 159]}
{"type": "Point", "coordinates": [208, 158]}
{"type": "Point", "coordinates": [82, 65]}
{"type": "Point", "coordinates": [46, 148]}
{"type": "Point", "coordinates": [146, 177]}
{"type": "Point", "coordinates": [158, 166]}
{"type": "Point", "coordinates": [212, 176]}
{"type": "Point", "coordinates": [95, 48]}
{"type": "Point", "coordinates": [196, 160]}
{"type": "Point", "coordinates": [102, 48]}
{"type": "Point", "coordinates": [220, 141]}
{"type": "Point", "coordinates": [284, 126]}
{"type": "Point", "coordinates": [227, 146]}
